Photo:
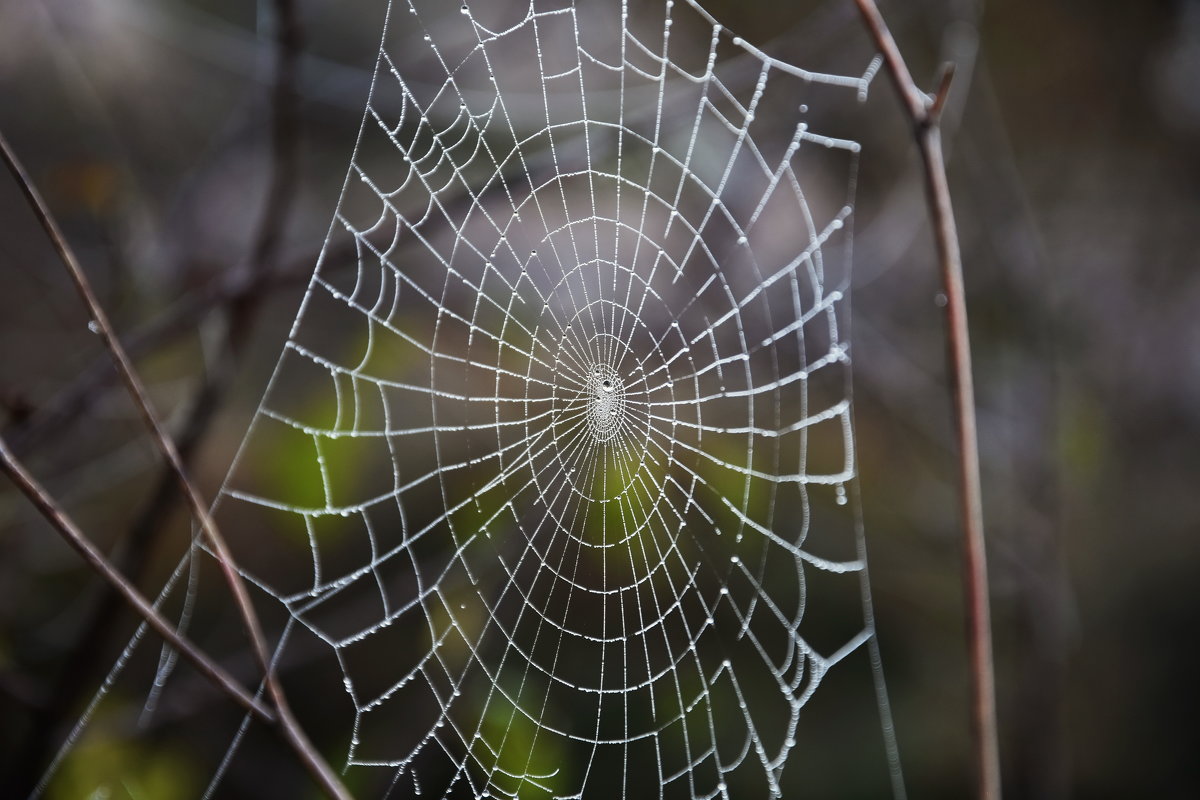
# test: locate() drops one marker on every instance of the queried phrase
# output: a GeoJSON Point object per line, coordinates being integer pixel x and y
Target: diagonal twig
{"type": "Point", "coordinates": [287, 725]}
{"type": "Point", "coordinates": [924, 112]}
{"type": "Point", "coordinates": [178, 320]}
{"type": "Point", "coordinates": [238, 317]}
{"type": "Point", "coordinates": [74, 537]}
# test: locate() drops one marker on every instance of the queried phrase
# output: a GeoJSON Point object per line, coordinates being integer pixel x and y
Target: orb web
{"type": "Point", "coordinates": [569, 446]}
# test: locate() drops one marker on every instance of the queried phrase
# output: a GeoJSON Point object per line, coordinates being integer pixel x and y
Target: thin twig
{"type": "Point", "coordinates": [285, 140]}
{"type": "Point", "coordinates": [923, 112]}
{"type": "Point", "coordinates": [180, 319]}
{"type": "Point", "coordinates": [945, 78]}
{"type": "Point", "coordinates": [239, 315]}
{"type": "Point", "coordinates": [226, 292]}
{"type": "Point", "coordinates": [74, 537]}
{"type": "Point", "coordinates": [287, 724]}
{"type": "Point", "coordinates": [131, 557]}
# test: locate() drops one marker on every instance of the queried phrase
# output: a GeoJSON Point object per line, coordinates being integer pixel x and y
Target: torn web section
{"type": "Point", "coordinates": [568, 449]}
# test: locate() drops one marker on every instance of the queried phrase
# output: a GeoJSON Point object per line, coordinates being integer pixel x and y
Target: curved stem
{"type": "Point", "coordinates": [67, 528]}
{"type": "Point", "coordinates": [316, 765]}
{"type": "Point", "coordinates": [923, 112]}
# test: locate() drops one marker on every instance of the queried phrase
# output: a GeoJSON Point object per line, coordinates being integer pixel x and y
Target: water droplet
{"type": "Point", "coordinates": [841, 494]}
{"type": "Point", "coordinates": [94, 326]}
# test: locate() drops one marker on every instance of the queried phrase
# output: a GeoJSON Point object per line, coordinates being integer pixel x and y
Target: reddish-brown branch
{"type": "Point", "coordinates": [239, 315]}
{"type": "Point", "coordinates": [924, 112]}
{"type": "Point", "coordinates": [74, 537]}
{"type": "Point", "coordinates": [287, 724]}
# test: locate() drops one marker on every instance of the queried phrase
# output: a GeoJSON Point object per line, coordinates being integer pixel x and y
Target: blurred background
{"type": "Point", "coordinates": [1074, 138]}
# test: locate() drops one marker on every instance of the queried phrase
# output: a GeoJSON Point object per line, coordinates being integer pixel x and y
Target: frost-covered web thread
{"type": "Point", "coordinates": [569, 447]}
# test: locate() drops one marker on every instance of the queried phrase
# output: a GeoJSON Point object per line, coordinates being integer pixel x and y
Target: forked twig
{"type": "Point", "coordinates": [286, 723]}
{"type": "Point", "coordinates": [924, 111]}
{"type": "Point", "coordinates": [74, 536]}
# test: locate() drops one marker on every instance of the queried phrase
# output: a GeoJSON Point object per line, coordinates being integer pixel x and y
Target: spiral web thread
{"type": "Point", "coordinates": [570, 446]}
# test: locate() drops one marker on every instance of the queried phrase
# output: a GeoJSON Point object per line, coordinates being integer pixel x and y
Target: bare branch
{"type": "Point", "coordinates": [316, 765]}
{"type": "Point", "coordinates": [240, 313]}
{"type": "Point", "coordinates": [924, 113]}
{"type": "Point", "coordinates": [913, 98]}
{"type": "Point", "coordinates": [180, 319]}
{"type": "Point", "coordinates": [101, 325]}
{"type": "Point", "coordinates": [945, 78]}
{"type": "Point", "coordinates": [74, 537]}
{"type": "Point", "coordinates": [285, 141]}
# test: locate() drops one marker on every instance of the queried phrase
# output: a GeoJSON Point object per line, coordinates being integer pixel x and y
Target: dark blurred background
{"type": "Point", "coordinates": [1074, 137]}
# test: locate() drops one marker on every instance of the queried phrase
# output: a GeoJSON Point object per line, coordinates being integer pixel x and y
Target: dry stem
{"type": "Point", "coordinates": [924, 111]}
{"type": "Point", "coordinates": [286, 723]}
{"type": "Point", "coordinates": [74, 536]}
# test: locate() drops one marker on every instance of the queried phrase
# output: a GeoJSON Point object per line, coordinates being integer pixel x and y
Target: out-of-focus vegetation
{"type": "Point", "coordinates": [1074, 132]}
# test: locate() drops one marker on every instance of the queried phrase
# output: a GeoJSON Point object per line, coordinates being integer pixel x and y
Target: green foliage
{"type": "Point", "coordinates": [527, 764]}
{"type": "Point", "coordinates": [108, 766]}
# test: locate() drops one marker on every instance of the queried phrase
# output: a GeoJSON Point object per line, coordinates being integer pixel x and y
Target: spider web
{"type": "Point", "coordinates": [569, 448]}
